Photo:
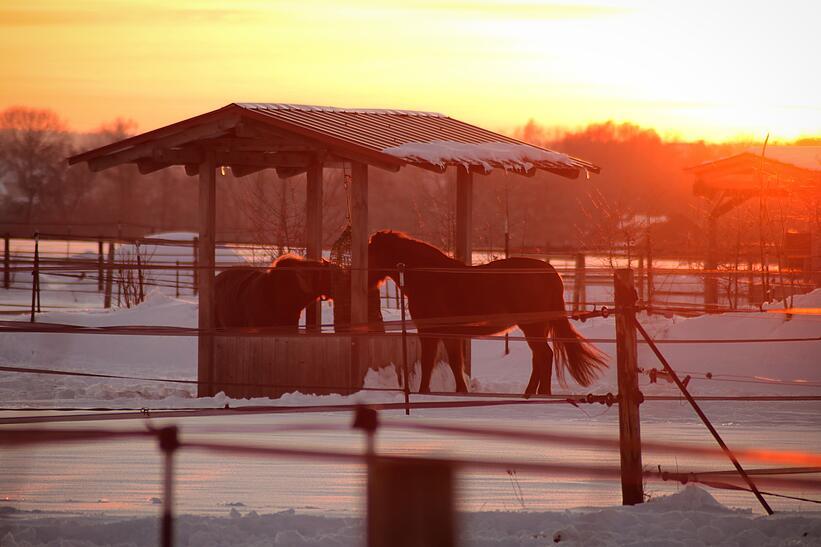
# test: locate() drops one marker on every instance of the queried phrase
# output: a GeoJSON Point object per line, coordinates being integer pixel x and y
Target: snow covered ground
{"type": "Point", "coordinates": [106, 494]}
{"type": "Point", "coordinates": [690, 517]}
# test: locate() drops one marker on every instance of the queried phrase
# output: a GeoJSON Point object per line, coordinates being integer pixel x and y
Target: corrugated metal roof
{"type": "Point", "coordinates": [366, 131]}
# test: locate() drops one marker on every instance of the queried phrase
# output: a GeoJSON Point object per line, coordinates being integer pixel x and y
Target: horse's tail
{"type": "Point", "coordinates": [573, 352]}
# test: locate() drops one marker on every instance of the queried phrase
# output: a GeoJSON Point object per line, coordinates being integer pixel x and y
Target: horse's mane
{"type": "Point", "coordinates": [419, 248]}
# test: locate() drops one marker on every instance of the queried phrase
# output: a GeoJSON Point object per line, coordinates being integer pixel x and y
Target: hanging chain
{"type": "Point", "coordinates": [347, 179]}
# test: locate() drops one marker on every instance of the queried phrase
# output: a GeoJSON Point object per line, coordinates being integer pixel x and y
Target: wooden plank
{"type": "Point", "coordinates": [272, 365]}
{"type": "Point", "coordinates": [464, 234]}
{"type": "Point", "coordinates": [411, 503]}
{"type": "Point", "coordinates": [632, 490]}
{"type": "Point", "coordinates": [359, 265]}
{"type": "Point", "coordinates": [313, 229]}
{"type": "Point", "coordinates": [206, 252]}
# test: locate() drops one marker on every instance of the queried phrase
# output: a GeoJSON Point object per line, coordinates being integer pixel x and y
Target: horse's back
{"type": "Point", "coordinates": [239, 291]}
{"type": "Point", "coordinates": [507, 286]}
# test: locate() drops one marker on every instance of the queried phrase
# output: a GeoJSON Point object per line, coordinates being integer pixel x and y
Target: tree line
{"type": "Point", "coordinates": [642, 183]}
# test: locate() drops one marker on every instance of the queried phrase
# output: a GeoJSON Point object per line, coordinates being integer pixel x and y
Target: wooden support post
{"type": "Point", "coordinates": [109, 276]}
{"type": "Point", "coordinates": [632, 490]}
{"type": "Point", "coordinates": [6, 261]}
{"type": "Point", "coordinates": [205, 255]}
{"type": "Point", "coordinates": [359, 271]}
{"type": "Point", "coordinates": [313, 229]}
{"type": "Point", "coordinates": [100, 259]}
{"type": "Point", "coordinates": [579, 283]}
{"type": "Point", "coordinates": [410, 503]}
{"type": "Point", "coordinates": [464, 234]}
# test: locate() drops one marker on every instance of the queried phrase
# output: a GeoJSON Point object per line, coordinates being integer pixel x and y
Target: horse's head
{"type": "Point", "coordinates": [315, 278]}
{"type": "Point", "coordinates": [382, 253]}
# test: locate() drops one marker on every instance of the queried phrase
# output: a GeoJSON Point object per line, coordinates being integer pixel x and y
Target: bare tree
{"type": "Point", "coordinates": [33, 146]}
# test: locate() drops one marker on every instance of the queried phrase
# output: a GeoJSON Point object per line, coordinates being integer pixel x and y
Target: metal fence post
{"type": "Point", "coordinates": [632, 489]}
{"type": "Point", "coordinates": [169, 443]}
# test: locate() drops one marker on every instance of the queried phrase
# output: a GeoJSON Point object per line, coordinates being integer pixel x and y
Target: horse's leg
{"type": "Point", "coordinates": [541, 375]}
{"type": "Point", "coordinates": [429, 346]}
{"type": "Point", "coordinates": [456, 359]}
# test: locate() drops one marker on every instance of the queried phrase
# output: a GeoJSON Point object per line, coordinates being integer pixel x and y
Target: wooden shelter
{"type": "Point", "coordinates": [295, 139]}
{"type": "Point", "coordinates": [730, 181]}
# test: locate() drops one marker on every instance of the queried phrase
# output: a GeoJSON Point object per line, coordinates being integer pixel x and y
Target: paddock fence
{"type": "Point", "coordinates": [386, 490]}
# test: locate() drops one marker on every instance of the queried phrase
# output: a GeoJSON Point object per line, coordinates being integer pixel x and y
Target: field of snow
{"type": "Point", "coordinates": [690, 517]}
{"type": "Point", "coordinates": [109, 493]}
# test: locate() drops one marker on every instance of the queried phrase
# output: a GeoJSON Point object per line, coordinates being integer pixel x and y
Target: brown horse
{"type": "Point", "coordinates": [249, 297]}
{"type": "Point", "coordinates": [447, 299]}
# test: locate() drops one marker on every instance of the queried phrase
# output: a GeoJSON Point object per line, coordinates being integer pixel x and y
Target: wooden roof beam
{"type": "Point", "coordinates": [146, 150]}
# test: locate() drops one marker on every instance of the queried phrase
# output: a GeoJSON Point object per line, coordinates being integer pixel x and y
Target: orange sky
{"type": "Point", "coordinates": [696, 69]}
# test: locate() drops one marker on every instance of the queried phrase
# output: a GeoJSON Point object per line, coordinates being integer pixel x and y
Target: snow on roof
{"type": "Point", "coordinates": [515, 157]}
{"type": "Point", "coordinates": [805, 157]}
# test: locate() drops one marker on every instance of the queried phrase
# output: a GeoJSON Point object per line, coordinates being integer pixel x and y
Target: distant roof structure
{"type": "Point", "coordinates": [781, 167]}
{"type": "Point", "coordinates": [288, 137]}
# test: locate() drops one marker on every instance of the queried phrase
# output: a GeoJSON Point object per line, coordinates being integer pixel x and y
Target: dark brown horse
{"type": "Point", "coordinates": [447, 299]}
{"type": "Point", "coordinates": [250, 297]}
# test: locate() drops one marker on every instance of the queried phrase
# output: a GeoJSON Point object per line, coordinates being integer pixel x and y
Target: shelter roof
{"type": "Point", "coordinates": [786, 167]}
{"type": "Point", "coordinates": [251, 136]}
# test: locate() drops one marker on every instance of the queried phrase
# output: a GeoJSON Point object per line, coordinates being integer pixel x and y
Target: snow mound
{"type": "Point", "coordinates": [690, 498]}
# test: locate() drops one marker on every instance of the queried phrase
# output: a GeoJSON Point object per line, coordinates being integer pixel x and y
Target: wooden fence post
{"type": "Point", "coordinates": [100, 280]}
{"type": "Point", "coordinates": [35, 278]}
{"type": "Point", "coordinates": [6, 262]}
{"type": "Point", "coordinates": [641, 277]}
{"type": "Point", "coordinates": [141, 295]}
{"type": "Point", "coordinates": [650, 287]}
{"type": "Point", "coordinates": [579, 283]}
{"type": "Point", "coordinates": [195, 275]}
{"type": "Point", "coordinates": [410, 503]}
{"type": "Point", "coordinates": [109, 276]}
{"type": "Point", "coordinates": [711, 266]}
{"type": "Point", "coordinates": [632, 489]}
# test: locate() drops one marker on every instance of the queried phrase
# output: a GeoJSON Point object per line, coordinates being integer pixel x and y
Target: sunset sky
{"type": "Point", "coordinates": [695, 69]}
